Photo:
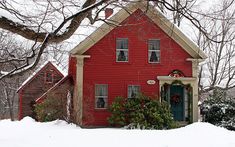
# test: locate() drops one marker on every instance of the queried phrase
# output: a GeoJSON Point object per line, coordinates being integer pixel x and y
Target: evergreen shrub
{"type": "Point", "coordinates": [48, 110]}
{"type": "Point", "coordinates": [219, 109]}
{"type": "Point", "coordinates": [141, 112]}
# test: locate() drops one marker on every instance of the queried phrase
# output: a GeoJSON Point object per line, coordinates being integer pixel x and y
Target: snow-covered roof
{"type": "Point", "coordinates": [39, 69]}
{"type": "Point", "coordinates": [156, 16]}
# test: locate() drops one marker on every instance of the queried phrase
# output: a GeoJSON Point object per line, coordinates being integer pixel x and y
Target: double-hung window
{"type": "Point", "coordinates": [154, 50]}
{"type": "Point", "coordinates": [101, 96]}
{"type": "Point", "coordinates": [133, 90]}
{"type": "Point", "coordinates": [122, 50]}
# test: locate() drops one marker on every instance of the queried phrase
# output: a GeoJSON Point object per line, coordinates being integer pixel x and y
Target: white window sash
{"type": "Point", "coordinates": [104, 95]}
{"type": "Point", "coordinates": [149, 55]}
{"type": "Point", "coordinates": [134, 88]}
{"type": "Point", "coordinates": [125, 51]}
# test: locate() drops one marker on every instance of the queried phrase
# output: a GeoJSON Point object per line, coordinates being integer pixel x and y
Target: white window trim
{"type": "Point", "coordinates": [125, 50]}
{"type": "Point", "coordinates": [154, 51]}
{"type": "Point", "coordinates": [159, 51]}
{"type": "Point", "coordinates": [104, 97]}
{"type": "Point", "coordinates": [128, 91]}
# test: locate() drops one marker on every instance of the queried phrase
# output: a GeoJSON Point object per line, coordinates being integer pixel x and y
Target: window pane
{"type": "Point", "coordinates": [153, 50]}
{"type": "Point", "coordinates": [121, 55]}
{"type": "Point", "coordinates": [133, 90]}
{"type": "Point", "coordinates": [154, 44]}
{"type": "Point", "coordinates": [101, 102]}
{"type": "Point", "coordinates": [101, 96]}
{"type": "Point", "coordinates": [101, 90]}
{"type": "Point", "coordinates": [49, 77]}
{"type": "Point", "coordinates": [122, 49]}
{"type": "Point", "coordinates": [154, 56]}
{"type": "Point", "coordinates": [122, 43]}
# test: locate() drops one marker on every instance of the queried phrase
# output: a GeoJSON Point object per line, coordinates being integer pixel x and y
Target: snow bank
{"type": "Point", "coordinates": [28, 133]}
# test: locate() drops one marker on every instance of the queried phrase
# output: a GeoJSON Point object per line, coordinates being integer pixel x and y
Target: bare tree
{"type": "Point", "coordinates": [56, 21]}
{"type": "Point", "coordinates": [9, 48]}
{"type": "Point", "coordinates": [38, 32]}
{"type": "Point", "coordinates": [219, 69]}
{"type": "Point", "coordinates": [179, 8]}
{"type": "Point", "coordinates": [9, 98]}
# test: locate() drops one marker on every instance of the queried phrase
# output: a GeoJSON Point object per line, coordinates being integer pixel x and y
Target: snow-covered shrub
{"type": "Point", "coordinates": [141, 112]}
{"type": "Point", "coordinates": [219, 109]}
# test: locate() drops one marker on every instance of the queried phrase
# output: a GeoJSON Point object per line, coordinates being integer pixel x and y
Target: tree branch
{"type": "Point", "coordinates": [31, 34]}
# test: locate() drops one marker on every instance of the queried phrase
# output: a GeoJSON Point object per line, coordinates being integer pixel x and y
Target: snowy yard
{"type": "Point", "coordinates": [28, 133]}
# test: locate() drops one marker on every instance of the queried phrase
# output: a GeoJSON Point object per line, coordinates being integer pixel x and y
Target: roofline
{"type": "Point", "coordinates": [157, 17]}
{"type": "Point", "coordinates": [42, 68]}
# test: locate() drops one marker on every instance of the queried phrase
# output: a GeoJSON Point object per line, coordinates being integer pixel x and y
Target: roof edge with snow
{"type": "Point", "coordinates": [157, 17]}
{"type": "Point", "coordinates": [42, 67]}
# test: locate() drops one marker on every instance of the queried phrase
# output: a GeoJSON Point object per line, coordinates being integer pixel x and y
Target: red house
{"type": "Point", "coordinates": [36, 85]}
{"type": "Point", "coordinates": [144, 52]}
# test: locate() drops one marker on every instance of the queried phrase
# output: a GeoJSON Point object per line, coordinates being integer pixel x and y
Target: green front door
{"type": "Point", "coordinates": [177, 102]}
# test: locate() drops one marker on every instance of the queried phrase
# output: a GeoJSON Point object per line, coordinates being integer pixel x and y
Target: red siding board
{"type": "Point", "coordinates": [102, 67]}
{"type": "Point", "coordinates": [72, 67]}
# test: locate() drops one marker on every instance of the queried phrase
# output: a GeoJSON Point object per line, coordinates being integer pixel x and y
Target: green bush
{"type": "Point", "coordinates": [141, 112]}
{"type": "Point", "coordinates": [48, 110]}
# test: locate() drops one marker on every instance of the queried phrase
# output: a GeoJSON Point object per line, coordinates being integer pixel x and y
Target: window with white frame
{"type": "Point", "coordinates": [122, 49]}
{"type": "Point", "coordinates": [133, 90]}
{"type": "Point", "coordinates": [154, 50]}
{"type": "Point", "coordinates": [101, 96]}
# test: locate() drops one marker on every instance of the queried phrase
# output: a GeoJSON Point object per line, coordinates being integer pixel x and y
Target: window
{"type": "Point", "coordinates": [154, 51]}
{"type": "Point", "coordinates": [101, 96]}
{"type": "Point", "coordinates": [48, 77]}
{"type": "Point", "coordinates": [122, 50]}
{"type": "Point", "coordinates": [133, 90]}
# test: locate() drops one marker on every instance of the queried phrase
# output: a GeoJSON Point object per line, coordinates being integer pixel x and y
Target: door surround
{"type": "Point", "coordinates": [185, 81]}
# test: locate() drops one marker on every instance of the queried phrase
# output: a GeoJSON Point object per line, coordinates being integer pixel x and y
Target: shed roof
{"type": "Point", "coordinates": [156, 16]}
{"type": "Point", "coordinates": [68, 77]}
{"type": "Point", "coordinates": [40, 69]}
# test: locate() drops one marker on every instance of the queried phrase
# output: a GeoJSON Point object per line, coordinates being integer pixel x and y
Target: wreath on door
{"type": "Point", "coordinates": [175, 98]}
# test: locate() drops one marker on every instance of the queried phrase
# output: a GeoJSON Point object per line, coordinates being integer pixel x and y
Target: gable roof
{"type": "Point", "coordinates": [64, 79]}
{"type": "Point", "coordinates": [40, 69]}
{"type": "Point", "coordinates": [157, 17]}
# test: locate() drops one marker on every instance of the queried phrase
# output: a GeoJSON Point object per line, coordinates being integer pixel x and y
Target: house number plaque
{"type": "Point", "coordinates": [151, 82]}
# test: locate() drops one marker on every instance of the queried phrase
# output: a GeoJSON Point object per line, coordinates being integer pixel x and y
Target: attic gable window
{"type": "Point", "coordinates": [154, 50]}
{"type": "Point", "coordinates": [133, 90]}
{"type": "Point", "coordinates": [122, 50]}
{"type": "Point", "coordinates": [101, 96]}
{"type": "Point", "coordinates": [48, 77]}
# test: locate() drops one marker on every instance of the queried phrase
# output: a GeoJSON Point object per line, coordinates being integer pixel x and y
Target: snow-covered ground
{"type": "Point", "coordinates": [28, 133]}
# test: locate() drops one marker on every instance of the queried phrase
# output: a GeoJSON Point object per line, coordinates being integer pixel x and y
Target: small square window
{"type": "Point", "coordinates": [133, 90]}
{"type": "Point", "coordinates": [122, 50]}
{"type": "Point", "coordinates": [101, 96]}
{"type": "Point", "coordinates": [154, 51]}
{"type": "Point", "coordinates": [48, 77]}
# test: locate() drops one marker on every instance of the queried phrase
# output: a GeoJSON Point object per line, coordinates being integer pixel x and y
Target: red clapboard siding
{"type": "Point", "coordinates": [72, 67]}
{"type": "Point", "coordinates": [102, 67]}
